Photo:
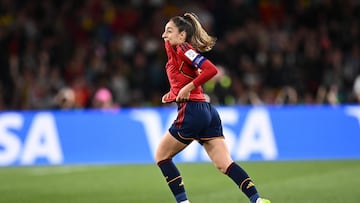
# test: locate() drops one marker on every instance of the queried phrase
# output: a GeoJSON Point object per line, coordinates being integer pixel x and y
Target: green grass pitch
{"type": "Point", "coordinates": [282, 182]}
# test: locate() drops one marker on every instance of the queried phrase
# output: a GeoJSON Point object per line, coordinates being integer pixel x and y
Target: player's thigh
{"type": "Point", "coordinates": [168, 147]}
{"type": "Point", "coordinates": [218, 153]}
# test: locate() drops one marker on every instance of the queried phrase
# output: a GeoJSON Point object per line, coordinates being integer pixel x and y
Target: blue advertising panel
{"type": "Point", "coordinates": [131, 135]}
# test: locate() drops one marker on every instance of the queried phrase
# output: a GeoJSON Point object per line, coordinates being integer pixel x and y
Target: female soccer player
{"type": "Point", "coordinates": [198, 120]}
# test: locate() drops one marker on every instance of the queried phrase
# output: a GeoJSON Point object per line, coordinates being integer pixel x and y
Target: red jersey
{"type": "Point", "coordinates": [185, 65]}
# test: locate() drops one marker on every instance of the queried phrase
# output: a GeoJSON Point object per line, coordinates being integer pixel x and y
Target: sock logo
{"type": "Point", "coordinates": [181, 184]}
{"type": "Point", "coordinates": [249, 185]}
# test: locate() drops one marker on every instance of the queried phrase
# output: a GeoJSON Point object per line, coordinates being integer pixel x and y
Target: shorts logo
{"type": "Point", "coordinates": [191, 54]}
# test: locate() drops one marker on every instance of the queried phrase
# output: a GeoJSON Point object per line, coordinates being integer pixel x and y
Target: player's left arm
{"type": "Point", "coordinates": [190, 56]}
{"type": "Point", "coordinates": [208, 70]}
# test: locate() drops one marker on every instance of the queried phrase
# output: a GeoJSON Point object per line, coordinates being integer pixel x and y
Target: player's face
{"type": "Point", "coordinates": [173, 35]}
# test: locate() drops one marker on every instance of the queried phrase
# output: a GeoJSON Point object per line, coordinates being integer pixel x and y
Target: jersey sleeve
{"type": "Point", "coordinates": [189, 55]}
{"type": "Point", "coordinates": [209, 70]}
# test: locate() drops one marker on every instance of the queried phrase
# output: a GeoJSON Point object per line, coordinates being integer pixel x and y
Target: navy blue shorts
{"type": "Point", "coordinates": [196, 121]}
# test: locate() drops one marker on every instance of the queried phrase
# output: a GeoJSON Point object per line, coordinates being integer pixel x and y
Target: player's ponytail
{"type": "Point", "coordinates": [199, 38]}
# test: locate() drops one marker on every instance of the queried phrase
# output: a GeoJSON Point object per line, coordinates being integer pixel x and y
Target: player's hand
{"type": "Point", "coordinates": [165, 98]}
{"type": "Point", "coordinates": [184, 93]}
{"type": "Point", "coordinates": [183, 96]}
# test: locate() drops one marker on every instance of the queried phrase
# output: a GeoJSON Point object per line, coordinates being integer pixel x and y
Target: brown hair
{"type": "Point", "coordinates": [195, 33]}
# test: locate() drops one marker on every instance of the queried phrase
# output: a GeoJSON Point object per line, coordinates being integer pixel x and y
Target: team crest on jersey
{"type": "Point", "coordinates": [191, 54]}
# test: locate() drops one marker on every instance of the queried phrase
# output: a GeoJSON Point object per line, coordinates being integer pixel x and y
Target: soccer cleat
{"type": "Point", "coordinates": [261, 200]}
{"type": "Point", "coordinates": [186, 201]}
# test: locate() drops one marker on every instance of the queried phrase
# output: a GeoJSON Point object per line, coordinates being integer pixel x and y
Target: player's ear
{"type": "Point", "coordinates": [183, 36]}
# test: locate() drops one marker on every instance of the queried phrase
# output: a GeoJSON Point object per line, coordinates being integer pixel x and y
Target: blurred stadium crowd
{"type": "Point", "coordinates": [109, 53]}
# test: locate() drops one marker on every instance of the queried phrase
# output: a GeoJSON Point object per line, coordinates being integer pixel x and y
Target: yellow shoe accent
{"type": "Point", "coordinates": [261, 200]}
